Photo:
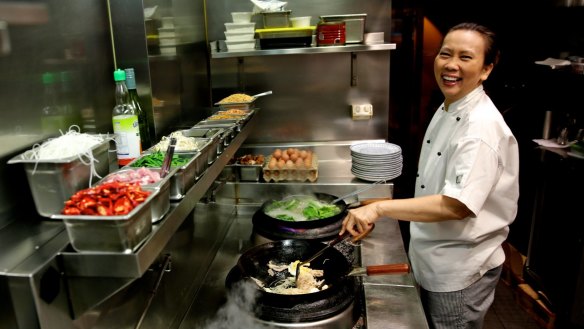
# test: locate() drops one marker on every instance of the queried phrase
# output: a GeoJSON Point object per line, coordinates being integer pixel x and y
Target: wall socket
{"type": "Point", "coordinates": [362, 111]}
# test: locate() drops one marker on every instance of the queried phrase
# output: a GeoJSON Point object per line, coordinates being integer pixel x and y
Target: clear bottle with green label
{"type": "Point", "coordinates": [134, 99]}
{"type": "Point", "coordinates": [125, 122]}
{"type": "Point", "coordinates": [53, 119]}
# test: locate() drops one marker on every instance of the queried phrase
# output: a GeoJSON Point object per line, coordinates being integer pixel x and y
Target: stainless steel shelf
{"type": "Point", "coordinates": [134, 265]}
{"type": "Point", "coordinates": [300, 50]}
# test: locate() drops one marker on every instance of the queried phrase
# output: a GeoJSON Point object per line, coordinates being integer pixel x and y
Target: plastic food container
{"type": "Point", "coordinates": [303, 21]}
{"type": "Point", "coordinates": [240, 45]}
{"type": "Point", "coordinates": [241, 17]}
{"type": "Point", "coordinates": [239, 36]}
{"type": "Point", "coordinates": [240, 27]}
{"type": "Point", "coordinates": [52, 182]}
{"type": "Point", "coordinates": [110, 234]}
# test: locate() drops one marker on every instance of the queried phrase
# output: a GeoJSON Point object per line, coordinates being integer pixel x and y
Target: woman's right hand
{"type": "Point", "coordinates": [360, 220]}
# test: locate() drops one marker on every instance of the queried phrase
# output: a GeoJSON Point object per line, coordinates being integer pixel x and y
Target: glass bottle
{"type": "Point", "coordinates": [52, 117]}
{"type": "Point", "coordinates": [134, 99]}
{"type": "Point", "coordinates": [125, 122]}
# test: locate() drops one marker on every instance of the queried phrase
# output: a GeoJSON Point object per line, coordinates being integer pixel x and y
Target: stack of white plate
{"type": "Point", "coordinates": [374, 161]}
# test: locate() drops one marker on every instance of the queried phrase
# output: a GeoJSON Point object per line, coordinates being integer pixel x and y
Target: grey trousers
{"type": "Point", "coordinates": [463, 309]}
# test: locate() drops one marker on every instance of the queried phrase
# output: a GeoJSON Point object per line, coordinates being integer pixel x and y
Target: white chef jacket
{"type": "Point", "coordinates": [469, 154]}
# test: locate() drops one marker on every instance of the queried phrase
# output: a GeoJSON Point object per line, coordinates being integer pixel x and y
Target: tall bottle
{"type": "Point", "coordinates": [134, 99]}
{"type": "Point", "coordinates": [52, 117]}
{"type": "Point", "coordinates": [125, 122]}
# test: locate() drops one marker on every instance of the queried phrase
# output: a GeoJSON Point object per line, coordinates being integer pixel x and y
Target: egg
{"type": "Point", "coordinates": [289, 164]}
{"type": "Point", "coordinates": [303, 154]}
{"type": "Point", "coordinates": [277, 153]}
{"type": "Point", "coordinates": [299, 163]}
{"type": "Point", "coordinates": [285, 156]}
{"type": "Point", "coordinates": [307, 162]}
{"type": "Point", "coordinates": [281, 163]}
{"type": "Point", "coordinates": [294, 156]}
{"type": "Point", "coordinates": [273, 163]}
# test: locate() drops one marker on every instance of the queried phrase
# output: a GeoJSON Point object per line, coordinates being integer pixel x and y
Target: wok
{"type": "Point", "coordinates": [264, 218]}
{"type": "Point", "coordinates": [336, 269]}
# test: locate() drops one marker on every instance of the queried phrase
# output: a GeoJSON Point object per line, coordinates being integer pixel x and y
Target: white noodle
{"type": "Point", "coordinates": [71, 143]}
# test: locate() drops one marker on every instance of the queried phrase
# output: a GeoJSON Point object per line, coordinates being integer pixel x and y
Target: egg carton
{"type": "Point", "coordinates": [291, 174]}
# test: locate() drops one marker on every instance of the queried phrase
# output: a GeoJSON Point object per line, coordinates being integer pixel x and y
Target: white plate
{"type": "Point", "coordinates": [375, 148]}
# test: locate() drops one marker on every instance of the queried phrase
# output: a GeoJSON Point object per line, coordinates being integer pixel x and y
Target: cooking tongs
{"type": "Point", "coordinates": [168, 158]}
{"type": "Point", "coordinates": [345, 236]}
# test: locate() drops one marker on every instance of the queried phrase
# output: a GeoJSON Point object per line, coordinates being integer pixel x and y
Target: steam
{"type": "Point", "coordinates": [238, 311]}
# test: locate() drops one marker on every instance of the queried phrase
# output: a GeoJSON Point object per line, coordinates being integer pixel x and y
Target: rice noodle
{"type": "Point", "coordinates": [71, 143]}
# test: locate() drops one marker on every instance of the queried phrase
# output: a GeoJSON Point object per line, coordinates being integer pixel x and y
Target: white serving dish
{"type": "Point", "coordinates": [239, 36]}
{"type": "Point", "coordinates": [240, 27]}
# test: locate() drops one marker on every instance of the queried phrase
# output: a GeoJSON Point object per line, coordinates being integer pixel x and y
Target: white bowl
{"type": "Point", "coordinates": [240, 27]}
{"type": "Point", "coordinates": [239, 36]}
{"type": "Point", "coordinates": [303, 21]}
{"type": "Point", "coordinates": [241, 17]}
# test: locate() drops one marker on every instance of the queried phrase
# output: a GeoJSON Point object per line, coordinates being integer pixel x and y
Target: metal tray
{"type": "Point", "coordinates": [52, 182]}
{"type": "Point", "coordinates": [161, 203]}
{"type": "Point", "coordinates": [249, 173]}
{"type": "Point", "coordinates": [235, 126]}
{"type": "Point", "coordinates": [110, 234]}
{"type": "Point", "coordinates": [186, 175]}
{"type": "Point", "coordinates": [214, 134]}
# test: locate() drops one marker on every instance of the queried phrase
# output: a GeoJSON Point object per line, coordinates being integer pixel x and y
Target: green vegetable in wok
{"type": "Point", "coordinates": [301, 209]}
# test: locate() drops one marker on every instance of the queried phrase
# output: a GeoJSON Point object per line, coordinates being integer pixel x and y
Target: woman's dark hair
{"type": "Point", "coordinates": [492, 52]}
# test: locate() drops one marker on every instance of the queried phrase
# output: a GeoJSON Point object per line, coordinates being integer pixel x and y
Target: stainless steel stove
{"type": "Point", "coordinates": [381, 302]}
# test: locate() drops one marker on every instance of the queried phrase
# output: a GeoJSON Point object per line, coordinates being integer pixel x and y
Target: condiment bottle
{"type": "Point", "coordinates": [145, 136]}
{"type": "Point", "coordinates": [125, 122]}
{"type": "Point", "coordinates": [52, 117]}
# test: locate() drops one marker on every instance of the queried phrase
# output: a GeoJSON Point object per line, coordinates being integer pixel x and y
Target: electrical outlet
{"type": "Point", "coordinates": [362, 111]}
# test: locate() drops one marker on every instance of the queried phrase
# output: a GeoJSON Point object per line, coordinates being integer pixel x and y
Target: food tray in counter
{"type": "Point", "coordinates": [147, 178]}
{"type": "Point", "coordinates": [232, 127]}
{"type": "Point", "coordinates": [302, 174]}
{"type": "Point", "coordinates": [231, 114]}
{"type": "Point", "coordinates": [214, 134]}
{"type": "Point", "coordinates": [110, 234]}
{"type": "Point", "coordinates": [237, 101]}
{"type": "Point", "coordinates": [183, 143]}
{"type": "Point", "coordinates": [246, 168]}
{"type": "Point", "coordinates": [53, 181]}
{"type": "Point", "coordinates": [192, 168]}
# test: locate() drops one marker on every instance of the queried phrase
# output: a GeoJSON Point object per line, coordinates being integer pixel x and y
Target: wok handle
{"type": "Point", "coordinates": [388, 269]}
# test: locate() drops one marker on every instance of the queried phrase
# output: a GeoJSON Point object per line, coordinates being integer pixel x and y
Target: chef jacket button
{"type": "Point", "coordinates": [423, 186]}
{"type": "Point", "coordinates": [417, 175]}
{"type": "Point", "coordinates": [457, 118]}
{"type": "Point", "coordinates": [428, 141]}
{"type": "Point", "coordinates": [439, 153]}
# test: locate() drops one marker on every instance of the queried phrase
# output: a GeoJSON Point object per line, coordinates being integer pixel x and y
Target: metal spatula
{"type": "Point", "coordinates": [346, 236]}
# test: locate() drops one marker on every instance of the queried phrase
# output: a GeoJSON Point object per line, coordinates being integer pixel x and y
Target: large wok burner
{"type": "Point", "coordinates": [335, 307]}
